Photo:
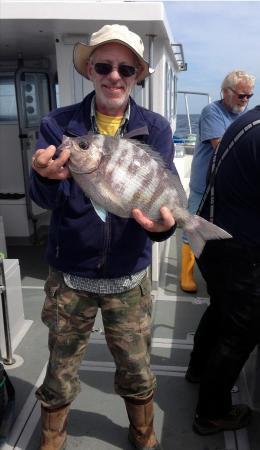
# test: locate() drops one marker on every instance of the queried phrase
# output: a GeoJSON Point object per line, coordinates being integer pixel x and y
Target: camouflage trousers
{"type": "Point", "coordinates": [70, 315]}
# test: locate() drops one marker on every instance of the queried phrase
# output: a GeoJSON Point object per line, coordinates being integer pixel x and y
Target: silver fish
{"type": "Point", "coordinates": [120, 174]}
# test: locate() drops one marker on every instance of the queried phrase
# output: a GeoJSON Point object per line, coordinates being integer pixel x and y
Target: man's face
{"type": "Point", "coordinates": [236, 99]}
{"type": "Point", "coordinates": [112, 89]}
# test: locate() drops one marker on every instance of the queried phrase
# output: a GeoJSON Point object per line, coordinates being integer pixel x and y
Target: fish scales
{"type": "Point", "coordinates": [118, 175]}
{"type": "Point", "coordinates": [132, 176]}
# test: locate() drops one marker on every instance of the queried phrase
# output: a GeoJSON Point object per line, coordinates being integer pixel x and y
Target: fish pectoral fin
{"type": "Point", "coordinates": [101, 212]}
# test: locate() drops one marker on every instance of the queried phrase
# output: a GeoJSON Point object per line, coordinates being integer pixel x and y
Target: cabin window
{"type": "Point", "coordinates": [8, 108]}
{"type": "Point", "coordinates": [34, 102]}
{"type": "Point", "coordinates": [174, 95]}
{"type": "Point", "coordinates": [167, 92]}
{"type": "Point", "coordinates": [170, 93]}
{"type": "Point", "coordinates": [57, 94]}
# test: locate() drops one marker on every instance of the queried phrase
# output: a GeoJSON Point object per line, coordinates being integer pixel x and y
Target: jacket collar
{"type": "Point", "coordinates": [80, 122]}
{"type": "Point", "coordinates": [137, 125]}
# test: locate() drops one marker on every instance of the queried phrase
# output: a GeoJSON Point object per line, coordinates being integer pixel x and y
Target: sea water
{"type": "Point", "coordinates": [182, 124]}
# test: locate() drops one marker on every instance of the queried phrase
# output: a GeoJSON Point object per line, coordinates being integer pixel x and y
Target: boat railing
{"type": "Point", "coordinates": [186, 144]}
{"type": "Point", "coordinates": [186, 94]}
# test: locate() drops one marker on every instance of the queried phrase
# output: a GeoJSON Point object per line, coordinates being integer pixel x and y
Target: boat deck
{"type": "Point", "coordinates": [98, 419]}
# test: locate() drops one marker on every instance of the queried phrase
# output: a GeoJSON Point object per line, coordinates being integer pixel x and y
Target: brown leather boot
{"type": "Point", "coordinates": [141, 432]}
{"type": "Point", "coordinates": [187, 281]}
{"type": "Point", "coordinates": [54, 422]}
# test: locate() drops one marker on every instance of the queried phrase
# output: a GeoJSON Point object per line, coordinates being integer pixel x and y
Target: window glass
{"type": "Point", "coordinates": [8, 109]}
{"type": "Point", "coordinates": [172, 95]}
{"type": "Point", "coordinates": [167, 92]}
{"type": "Point", "coordinates": [57, 94]}
{"type": "Point", "coordinates": [35, 101]}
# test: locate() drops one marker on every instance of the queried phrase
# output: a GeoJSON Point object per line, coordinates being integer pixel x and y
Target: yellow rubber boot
{"type": "Point", "coordinates": [187, 281]}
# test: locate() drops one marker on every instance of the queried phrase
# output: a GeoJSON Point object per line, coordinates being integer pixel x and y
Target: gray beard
{"type": "Point", "coordinates": [238, 109]}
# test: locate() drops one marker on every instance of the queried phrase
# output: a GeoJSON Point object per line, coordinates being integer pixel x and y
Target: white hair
{"type": "Point", "coordinates": [234, 77]}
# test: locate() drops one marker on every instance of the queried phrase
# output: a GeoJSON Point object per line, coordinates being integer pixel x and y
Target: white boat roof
{"type": "Point", "coordinates": [24, 25]}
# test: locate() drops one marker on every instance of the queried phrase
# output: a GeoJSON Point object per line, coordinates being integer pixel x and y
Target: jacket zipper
{"type": "Point", "coordinates": [107, 240]}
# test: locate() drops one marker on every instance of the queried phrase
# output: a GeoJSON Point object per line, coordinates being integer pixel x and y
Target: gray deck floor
{"type": "Point", "coordinates": [98, 420]}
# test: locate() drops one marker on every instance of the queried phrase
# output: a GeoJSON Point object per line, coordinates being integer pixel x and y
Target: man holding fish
{"type": "Point", "coordinates": [105, 169]}
{"type": "Point", "coordinates": [95, 263]}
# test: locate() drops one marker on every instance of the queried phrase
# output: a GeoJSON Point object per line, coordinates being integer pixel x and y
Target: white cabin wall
{"type": "Point", "coordinates": [141, 93]}
{"type": "Point", "coordinates": [159, 96]}
{"type": "Point", "coordinates": [157, 78]}
{"type": "Point", "coordinates": [72, 86]}
{"type": "Point", "coordinates": [65, 73]}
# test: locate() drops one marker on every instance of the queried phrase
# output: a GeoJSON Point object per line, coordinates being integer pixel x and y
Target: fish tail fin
{"type": "Point", "coordinates": [199, 231]}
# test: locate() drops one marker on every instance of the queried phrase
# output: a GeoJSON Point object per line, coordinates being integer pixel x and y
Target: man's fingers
{"type": "Point", "coordinates": [62, 158]}
{"type": "Point", "coordinates": [44, 158]}
{"type": "Point", "coordinates": [167, 216]}
{"type": "Point", "coordinates": [166, 222]}
{"type": "Point", "coordinates": [48, 167]}
{"type": "Point", "coordinates": [143, 220]}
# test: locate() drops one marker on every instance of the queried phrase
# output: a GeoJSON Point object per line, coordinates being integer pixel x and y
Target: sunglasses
{"type": "Point", "coordinates": [123, 69]}
{"type": "Point", "coordinates": [242, 96]}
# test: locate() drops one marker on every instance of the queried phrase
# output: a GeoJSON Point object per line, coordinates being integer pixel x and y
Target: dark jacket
{"type": "Point", "coordinates": [237, 181]}
{"type": "Point", "coordinates": [79, 242]}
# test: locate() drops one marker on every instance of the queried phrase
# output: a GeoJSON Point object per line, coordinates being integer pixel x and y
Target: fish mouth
{"type": "Point", "coordinates": [80, 172]}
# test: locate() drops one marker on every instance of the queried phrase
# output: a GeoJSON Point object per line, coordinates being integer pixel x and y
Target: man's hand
{"type": "Point", "coordinates": [167, 221]}
{"type": "Point", "coordinates": [46, 166]}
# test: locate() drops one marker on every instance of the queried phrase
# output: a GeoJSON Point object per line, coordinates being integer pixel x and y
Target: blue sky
{"type": "Point", "coordinates": [217, 37]}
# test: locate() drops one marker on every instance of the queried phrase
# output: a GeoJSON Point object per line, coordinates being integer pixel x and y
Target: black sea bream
{"type": "Point", "coordinates": [120, 174]}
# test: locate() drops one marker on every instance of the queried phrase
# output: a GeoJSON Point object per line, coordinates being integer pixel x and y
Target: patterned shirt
{"type": "Point", "coordinates": [104, 285]}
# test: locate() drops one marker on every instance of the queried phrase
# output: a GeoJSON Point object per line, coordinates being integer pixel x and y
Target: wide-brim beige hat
{"type": "Point", "coordinates": [111, 33]}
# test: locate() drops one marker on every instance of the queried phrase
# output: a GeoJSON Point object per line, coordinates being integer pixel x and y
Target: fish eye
{"type": "Point", "coordinates": [83, 145]}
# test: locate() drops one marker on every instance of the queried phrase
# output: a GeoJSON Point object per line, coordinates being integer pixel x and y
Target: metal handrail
{"type": "Point", "coordinates": [9, 354]}
{"type": "Point", "coordinates": [195, 93]}
{"type": "Point", "coordinates": [186, 93]}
